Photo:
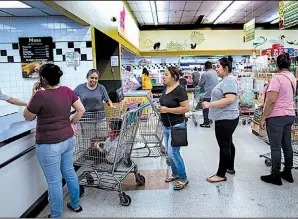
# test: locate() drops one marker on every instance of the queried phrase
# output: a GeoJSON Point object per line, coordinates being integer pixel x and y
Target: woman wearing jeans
{"type": "Point", "coordinates": [224, 111]}
{"type": "Point", "coordinates": [55, 139]}
{"type": "Point", "coordinates": [174, 103]}
{"type": "Point", "coordinates": [279, 116]}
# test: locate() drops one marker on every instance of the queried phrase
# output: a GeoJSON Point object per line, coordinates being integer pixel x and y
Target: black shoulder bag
{"type": "Point", "coordinates": [178, 135]}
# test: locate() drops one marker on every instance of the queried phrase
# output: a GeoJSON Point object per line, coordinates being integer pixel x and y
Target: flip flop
{"type": "Point", "coordinates": [221, 180]}
{"type": "Point", "coordinates": [180, 185]}
{"type": "Point", "coordinates": [231, 171]}
{"type": "Point", "coordinates": [75, 210]}
{"type": "Point", "coordinates": [171, 179]}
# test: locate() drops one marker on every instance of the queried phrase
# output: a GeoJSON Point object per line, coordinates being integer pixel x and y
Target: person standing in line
{"type": "Point", "coordinates": [55, 141]}
{"type": "Point", "coordinates": [208, 81]}
{"type": "Point", "coordinates": [195, 77]}
{"type": "Point", "coordinates": [11, 100]}
{"type": "Point", "coordinates": [146, 81]}
{"type": "Point", "coordinates": [173, 105]}
{"type": "Point", "coordinates": [183, 80]}
{"type": "Point", "coordinates": [279, 116]}
{"type": "Point", "coordinates": [224, 111]}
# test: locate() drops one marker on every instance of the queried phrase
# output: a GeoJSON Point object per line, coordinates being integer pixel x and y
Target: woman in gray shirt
{"type": "Point", "coordinates": [92, 96]}
{"type": "Point", "coordinates": [224, 111]}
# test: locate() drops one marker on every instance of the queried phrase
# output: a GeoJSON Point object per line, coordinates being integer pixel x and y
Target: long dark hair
{"type": "Point", "coordinates": [226, 63]}
{"type": "Point", "coordinates": [91, 71]}
{"type": "Point", "coordinates": [283, 61]}
{"type": "Point", "coordinates": [175, 72]}
{"type": "Point", "coordinates": [145, 71]}
{"type": "Point", "coordinates": [51, 73]}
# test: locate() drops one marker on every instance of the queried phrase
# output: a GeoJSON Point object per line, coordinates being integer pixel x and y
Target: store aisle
{"type": "Point", "coordinates": [243, 195]}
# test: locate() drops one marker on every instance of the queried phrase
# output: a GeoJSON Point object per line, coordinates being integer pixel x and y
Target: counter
{"type": "Point", "coordinates": [22, 180]}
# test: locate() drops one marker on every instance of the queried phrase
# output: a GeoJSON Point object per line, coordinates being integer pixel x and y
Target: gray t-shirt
{"type": "Point", "coordinates": [195, 78]}
{"type": "Point", "coordinates": [228, 85]}
{"type": "Point", "coordinates": [3, 96]}
{"type": "Point", "coordinates": [92, 99]}
{"type": "Point", "coordinates": [209, 81]}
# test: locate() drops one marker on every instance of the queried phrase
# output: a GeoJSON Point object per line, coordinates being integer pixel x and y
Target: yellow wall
{"type": "Point", "coordinates": [206, 40]}
{"type": "Point", "coordinates": [99, 15]}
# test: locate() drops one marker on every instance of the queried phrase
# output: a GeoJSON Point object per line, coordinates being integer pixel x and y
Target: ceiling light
{"type": "Point", "coordinates": [275, 21]}
{"type": "Point", "coordinates": [154, 12]}
{"type": "Point", "coordinates": [231, 10]}
{"type": "Point", "coordinates": [220, 7]}
{"type": "Point", "coordinates": [13, 4]}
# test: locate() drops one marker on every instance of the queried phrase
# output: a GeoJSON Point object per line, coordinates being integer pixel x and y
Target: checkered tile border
{"type": "Point", "coordinates": [152, 66]}
{"type": "Point", "coordinates": [9, 52]}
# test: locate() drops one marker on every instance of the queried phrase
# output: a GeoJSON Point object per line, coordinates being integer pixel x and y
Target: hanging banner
{"type": "Point", "coordinates": [288, 14]}
{"type": "Point", "coordinates": [249, 30]}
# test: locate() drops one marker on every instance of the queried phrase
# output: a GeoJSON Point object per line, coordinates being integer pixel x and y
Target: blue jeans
{"type": "Point", "coordinates": [177, 163]}
{"type": "Point", "coordinates": [54, 159]}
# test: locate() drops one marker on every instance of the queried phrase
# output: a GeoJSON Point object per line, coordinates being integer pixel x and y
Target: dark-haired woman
{"type": "Point", "coordinates": [55, 139]}
{"type": "Point", "coordinates": [279, 116]}
{"type": "Point", "coordinates": [146, 81]}
{"type": "Point", "coordinates": [224, 111]}
{"type": "Point", "coordinates": [173, 105]}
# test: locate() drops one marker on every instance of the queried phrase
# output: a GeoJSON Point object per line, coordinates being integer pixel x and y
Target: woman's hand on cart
{"type": "Point", "coordinates": [113, 107]}
{"type": "Point", "coordinates": [75, 130]}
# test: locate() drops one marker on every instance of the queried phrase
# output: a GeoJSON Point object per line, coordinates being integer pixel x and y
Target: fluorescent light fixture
{"type": "Point", "coordinates": [154, 12]}
{"type": "Point", "coordinates": [231, 11]}
{"type": "Point", "coordinates": [275, 21]}
{"type": "Point", "coordinates": [220, 7]}
{"type": "Point", "coordinates": [13, 4]}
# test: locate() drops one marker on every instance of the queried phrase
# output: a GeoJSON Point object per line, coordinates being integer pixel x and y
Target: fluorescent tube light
{"type": "Point", "coordinates": [13, 4]}
{"type": "Point", "coordinates": [154, 12]}
{"type": "Point", "coordinates": [231, 11]}
{"type": "Point", "coordinates": [275, 21]}
{"type": "Point", "coordinates": [219, 8]}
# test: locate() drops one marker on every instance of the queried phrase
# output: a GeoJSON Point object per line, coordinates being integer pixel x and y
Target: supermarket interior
{"type": "Point", "coordinates": [119, 39]}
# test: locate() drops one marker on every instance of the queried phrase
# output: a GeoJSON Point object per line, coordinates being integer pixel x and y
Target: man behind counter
{"type": "Point", "coordinates": [11, 100]}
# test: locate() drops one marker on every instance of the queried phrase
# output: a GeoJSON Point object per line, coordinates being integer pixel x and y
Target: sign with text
{"type": "Point", "coordinates": [288, 14]}
{"type": "Point", "coordinates": [72, 59]}
{"type": "Point", "coordinates": [35, 51]}
{"type": "Point", "coordinates": [249, 30]}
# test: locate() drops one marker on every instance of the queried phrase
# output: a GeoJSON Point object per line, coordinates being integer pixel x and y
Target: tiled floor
{"type": "Point", "coordinates": [243, 195]}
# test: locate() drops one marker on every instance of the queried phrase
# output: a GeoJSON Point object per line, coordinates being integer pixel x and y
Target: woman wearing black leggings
{"type": "Point", "coordinates": [224, 111]}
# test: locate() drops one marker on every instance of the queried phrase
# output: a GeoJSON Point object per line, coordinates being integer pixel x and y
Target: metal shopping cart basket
{"type": "Point", "coordinates": [294, 141]}
{"type": "Point", "coordinates": [149, 136]}
{"type": "Point", "coordinates": [246, 106]}
{"type": "Point", "coordinates": [104, 137]}
{"type": "Point", "coordinates": [196, 106]}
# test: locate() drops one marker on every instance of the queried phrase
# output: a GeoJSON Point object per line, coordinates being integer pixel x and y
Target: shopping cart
{"type": "Point", "coordinates": [294, 141]}
{"type": "Point", "coordinates": [196, 107]}
{"type": "Point", "coordinates": [246, 106]}
{"type": "Point", "coordinates": [104, 137]}
{"type": "Point", "coordinates": [149, 136]}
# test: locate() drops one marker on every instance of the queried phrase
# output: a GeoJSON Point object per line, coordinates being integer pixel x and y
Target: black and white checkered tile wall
{"type": "Point", "coordinates": [9, 52]}
{"type": "Point", "coordinates": [158, 66]}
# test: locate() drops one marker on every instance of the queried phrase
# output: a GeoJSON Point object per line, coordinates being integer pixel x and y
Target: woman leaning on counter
{"type": "Point", "coordinates": [55, 141]}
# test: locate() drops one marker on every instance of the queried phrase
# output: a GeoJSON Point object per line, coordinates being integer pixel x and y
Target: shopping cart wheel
{"type": "Point", "coordinates": [125, 200]}
{"type": "Point", "coordinates": [168, 161]}
{"type": "Point", "coordinates": [244, 122]}
{"type": "Point", "coordinates": [89, 179]}
{"type": "Point", "coordinates": [127, 162]}
{"type": "Point", "coordinates": [82, 190]}
{"type": "Point", "coordinates": [268, 162]}
{"type": "Point", "coordinates": [195, 123]}
{"type": "Point", "coordinates": [140, 179]}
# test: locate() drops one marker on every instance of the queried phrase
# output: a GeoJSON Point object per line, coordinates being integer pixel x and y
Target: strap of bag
{"type": "Point", "coordinates": [169, 120]}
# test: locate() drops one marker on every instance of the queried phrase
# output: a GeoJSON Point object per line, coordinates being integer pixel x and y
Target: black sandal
{"type": "Point", "coordinates": [231, 171]}
{"type": "Point", "coordinates": [75, 210]}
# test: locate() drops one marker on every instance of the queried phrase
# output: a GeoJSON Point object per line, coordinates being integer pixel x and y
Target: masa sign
{"type": "Point", "coordinates": [72, 59]}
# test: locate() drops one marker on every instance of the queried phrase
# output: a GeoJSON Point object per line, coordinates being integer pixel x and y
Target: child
{"type": "Point", "coordinates": [107, 153]}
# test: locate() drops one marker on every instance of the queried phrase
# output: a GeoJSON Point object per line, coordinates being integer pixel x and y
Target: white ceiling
{"type": "Point", "coordinates": [38, 9]}
{"type": "Point", "coordinates": [188, 12]}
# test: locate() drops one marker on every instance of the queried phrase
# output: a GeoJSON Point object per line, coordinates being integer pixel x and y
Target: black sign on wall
{"type": "Point", "coordinates": [34, 51]}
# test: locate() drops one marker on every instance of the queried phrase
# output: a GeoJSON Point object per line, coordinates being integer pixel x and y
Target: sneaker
{"type": "Point", "coordinates": [273, 179]}
{"type": "Point", "coordinates": [287, 175]}
{"type": "Point", "coordinates": [205, 125]}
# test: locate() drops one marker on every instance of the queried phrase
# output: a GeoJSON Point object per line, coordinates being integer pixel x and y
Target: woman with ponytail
{"type": "Point", "coordinates": [55, 141]}
{"type": "Point", "coordinates": [224, 111]}
{"type": "Point", "coordinates": [278, 117]}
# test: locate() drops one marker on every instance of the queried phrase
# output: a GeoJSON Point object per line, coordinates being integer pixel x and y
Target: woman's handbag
{"type": "Point", "coordinates": [178, 135]}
